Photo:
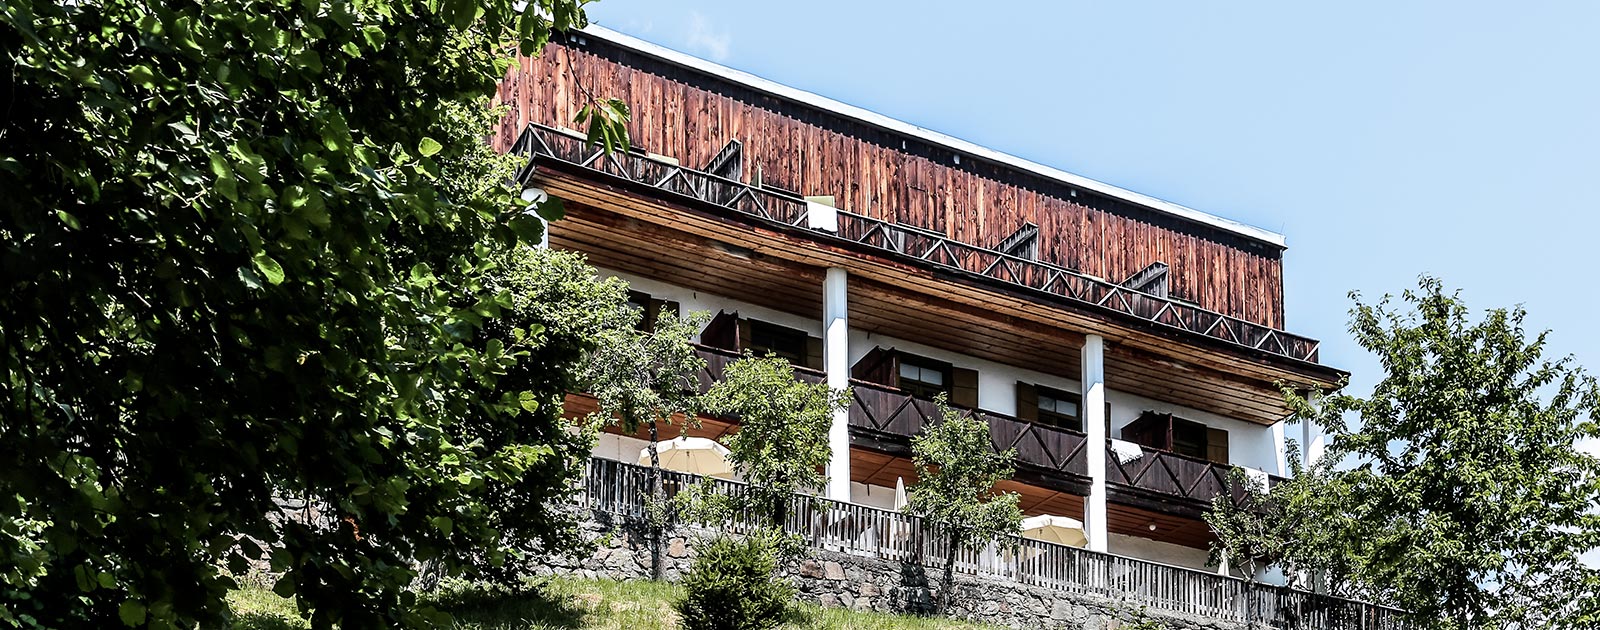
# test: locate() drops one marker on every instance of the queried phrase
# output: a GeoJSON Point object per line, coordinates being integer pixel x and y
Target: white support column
{"type": "Point", "coordinates": [1094, 424]}
{"type": "Point", "coordinates": [1310, 437]}
{"type": "Point", "coordinates": [836, 360]}
{"type": "Point", "coordinates": [533, 197]}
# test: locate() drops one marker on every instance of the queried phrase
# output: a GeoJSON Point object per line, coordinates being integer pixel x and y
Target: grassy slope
{"type": "Point", "coordinates": [567, 604]}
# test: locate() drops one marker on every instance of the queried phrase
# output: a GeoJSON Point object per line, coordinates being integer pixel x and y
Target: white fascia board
{"type": "Point", "coordinates": [928, 135]}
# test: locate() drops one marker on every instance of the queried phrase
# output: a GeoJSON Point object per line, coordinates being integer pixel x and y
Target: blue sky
{"type": "Point", "coordinates": [1385, 140]}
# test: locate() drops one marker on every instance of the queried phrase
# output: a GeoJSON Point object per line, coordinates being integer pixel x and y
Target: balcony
{"type": "Point", "coordinates": [885, 419]}
{"type": "Point", "coordinates": [620, 490]}
{"type": "Point", "coordinates": [910, 244]}
{"type": "Point", "coordinates": [645, 216]}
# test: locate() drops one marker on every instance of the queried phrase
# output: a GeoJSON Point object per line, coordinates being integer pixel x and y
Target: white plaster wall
{"type": "Point", "coordinates": [690, 301]}
{"type": "Point", "coordinates": [1180, 556]}
{"type": "Point", "coordinates": [1157, 551]}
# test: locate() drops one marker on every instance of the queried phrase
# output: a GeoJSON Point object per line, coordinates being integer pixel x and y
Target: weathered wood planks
{"type": "Point", "coordinates": [691, 117]}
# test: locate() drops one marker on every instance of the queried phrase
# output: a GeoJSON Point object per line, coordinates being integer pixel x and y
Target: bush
{"type": "Point", "coordinates": [733, 586]}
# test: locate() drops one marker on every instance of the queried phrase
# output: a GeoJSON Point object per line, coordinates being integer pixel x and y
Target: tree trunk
{"type": "Point", "coordinates": [657, 498]}
{"type": "Point", "coordinates": [780, 513]}
{"type": "Point", "coordinates": [949, 580]}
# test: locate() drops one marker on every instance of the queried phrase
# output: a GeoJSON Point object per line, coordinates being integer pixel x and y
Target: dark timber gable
{"type": "Point", "coordinates": [692, 116]}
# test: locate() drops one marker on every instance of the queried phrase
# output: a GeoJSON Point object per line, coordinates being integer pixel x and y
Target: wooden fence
{"type": "Point", "coordinates": [621, 489]}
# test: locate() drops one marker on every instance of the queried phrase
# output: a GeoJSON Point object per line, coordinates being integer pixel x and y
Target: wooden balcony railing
{"type": "Point", "coordinates": [1169, 474]}
{"type": "Point", "coordinates": [717, 360]}
{"type": "Point", "coordinates": [622, 489]}
{"type": "Point", "coordinates": [891, 415]}
{"type": "Point", "coordinates": [909, 243]}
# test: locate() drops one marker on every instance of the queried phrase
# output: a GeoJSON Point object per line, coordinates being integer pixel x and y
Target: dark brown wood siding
{"type": "Point", "coordinates": [691, 116]}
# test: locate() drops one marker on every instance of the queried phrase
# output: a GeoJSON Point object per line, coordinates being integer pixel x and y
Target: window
{"type": "Point", "coordinates": [650, 309]}
{"type": "Point", "coordinates": [1184, 437]}
{"type": "Point", "coordinates": [1188, 438]}
{"type": "Point", "coordinates": [1058, 408]}
{"type": "Point", "coordinates": [923, 378]}
{"type": "Point", "coordinates": [777, 340]}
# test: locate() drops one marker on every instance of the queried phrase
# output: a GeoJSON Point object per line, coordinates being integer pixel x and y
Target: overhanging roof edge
{"type": "Point", "coordinates": [934, 137]}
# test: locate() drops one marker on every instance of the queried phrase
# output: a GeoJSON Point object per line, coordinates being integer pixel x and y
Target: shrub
{"type": "Point", "coordinates": [733, 586]}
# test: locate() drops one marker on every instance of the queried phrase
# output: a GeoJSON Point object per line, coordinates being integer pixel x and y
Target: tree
{"type": "Point", "coordinates": [957, 469]}
{"type": "Point", "coordinates": [1295, 525]}
{"type": "Point", "coordinates": [560, 311]}
{"type": "Point", "coordinates": [1460, 493]}
{"type": "Point", "coordinates": [782, 444]}
{"type": "Point", "coordinates": [245, 245]}
{"type": "Point", "coordinates": [647, 378]}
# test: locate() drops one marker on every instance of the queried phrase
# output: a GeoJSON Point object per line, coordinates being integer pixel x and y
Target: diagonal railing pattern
{"type": "Point", "coordinates": [910, 243]}
{"type": "Point", "coordinates": [890, 412]}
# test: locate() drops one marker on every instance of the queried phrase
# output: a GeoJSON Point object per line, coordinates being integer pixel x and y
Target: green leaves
{"type": "Point", "coordinates": [142, 76]}
{"type": "Point", "coordinates": [1456, 489]}
{"type": "Point", "coordinates": [608, 124]}
{"type": "Point", "coordinates": [269, 268]}
{"type": "Point", "coordinates": [957, 469]}
{"type": "Point", "coordinates": [131, 613]}
{"type": "Point", "coordinates": [162, 395]}
{"type": "Point", "coordinates": [782, 441]}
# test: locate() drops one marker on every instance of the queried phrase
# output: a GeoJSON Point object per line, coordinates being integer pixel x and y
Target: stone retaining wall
{"type": "Point", "coordinates": [839, 580]}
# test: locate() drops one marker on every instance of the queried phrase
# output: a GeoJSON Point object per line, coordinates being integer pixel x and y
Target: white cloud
{"type": "Point", "coordinates": [706, 40]}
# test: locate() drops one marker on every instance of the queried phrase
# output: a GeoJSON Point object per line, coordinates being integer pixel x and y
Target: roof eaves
{"type": "Point", "coordinates": [933, 137]}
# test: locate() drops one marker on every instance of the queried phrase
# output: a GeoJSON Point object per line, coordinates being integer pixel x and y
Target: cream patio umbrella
{"type": "Point", "coordinates": [694, 455]}
{"type": "Point", "coordinates": [899, 529]}
{"type": "Point", "coordinates": [1056, 529]}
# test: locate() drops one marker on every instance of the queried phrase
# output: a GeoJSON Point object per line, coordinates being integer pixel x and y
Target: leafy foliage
{"type": "Point", "coordinates": [245, 254]}
{"type": "Point", "coordinates": [1295, 525]}
{"type": "Point", "coordinates": [782, 443]}
{"type": "Point", "coordinates": [559, 313]}
{"type": "Point", "coordinates": [1460, 492]}
{"type": "Point", "coordinates": [648, 377]}
{"type": "Point", "coordinates": [957, 469]}
{"type": "Point", "coordinates": [733, 585]}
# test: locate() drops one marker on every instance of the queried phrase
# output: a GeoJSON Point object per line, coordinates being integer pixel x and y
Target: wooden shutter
{"type": "Point", "coordinates": [742, 337]}
{"type": "Point", "coordinates": [1151, 429]}
{"type": "Point", "coordinates": [722, 332]}
{"type": "Point", "coordinates": [878, 366]}
{"type": "Point", "coordinates": [814, 353]}
{"type": "Point", "coordinates": [1027, 402]}
{"type": "Point", "coordinates": [647, 315]}
{"type": "Point", "coordinates": [964, 387]}
{"type": "Point", "coordinates": [1217, 445]}
{"type": "Point", "coordinates": [656, 308]}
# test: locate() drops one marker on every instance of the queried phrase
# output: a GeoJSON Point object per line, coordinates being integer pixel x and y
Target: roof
{"type": "Point", "coordinates": [930, 136]}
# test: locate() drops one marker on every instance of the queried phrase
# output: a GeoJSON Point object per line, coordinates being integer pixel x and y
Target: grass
{"type": "Point", "coordinates": [573, 604]}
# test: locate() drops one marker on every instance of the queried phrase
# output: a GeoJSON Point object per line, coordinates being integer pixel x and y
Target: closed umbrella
{"type": "Point", "coordinates": [899, 530]}
{"type": "Point", "coordinates": [694, 455]}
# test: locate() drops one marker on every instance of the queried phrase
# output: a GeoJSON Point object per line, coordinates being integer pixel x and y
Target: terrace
{"type": "Point", "coordinates": [620, 490]}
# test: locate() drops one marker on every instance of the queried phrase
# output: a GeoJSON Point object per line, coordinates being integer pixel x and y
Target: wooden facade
{"type": "Point", "coordinates": [692, 116]}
